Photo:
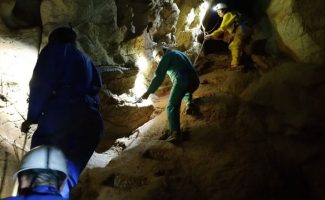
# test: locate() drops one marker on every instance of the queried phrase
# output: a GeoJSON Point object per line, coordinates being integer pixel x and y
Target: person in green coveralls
{"type": "Point", "coordinates": [185, 81]}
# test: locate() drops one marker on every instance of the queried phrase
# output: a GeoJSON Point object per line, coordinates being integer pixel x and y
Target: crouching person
{"type": "Point", "coordinates": [41, 175]}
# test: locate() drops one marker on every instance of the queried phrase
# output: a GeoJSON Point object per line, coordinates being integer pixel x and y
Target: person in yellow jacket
{"type": "Point", "coordinates": [237, 32]}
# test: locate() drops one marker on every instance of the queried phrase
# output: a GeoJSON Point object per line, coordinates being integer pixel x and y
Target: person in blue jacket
{"type": "Point", "coordinates": [41, 175]}
{"type": "Point", "coordinates": [63, 102]}
{"type": "Point", "coordinates": [185, 81]}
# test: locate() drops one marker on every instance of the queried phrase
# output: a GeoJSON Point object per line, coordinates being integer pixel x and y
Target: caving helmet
{"type": "Point", "coordinates": [44, 157]}
{"type": "Point", "coordinates": [219, 6]}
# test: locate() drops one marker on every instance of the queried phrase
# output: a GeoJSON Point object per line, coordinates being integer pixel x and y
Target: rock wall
{"type": "Point", "coordinates": [299, 27]}
{"type": "Point", "coordinates": [18, 54]}
{"type": "Point", "coordinates": [25, 14]}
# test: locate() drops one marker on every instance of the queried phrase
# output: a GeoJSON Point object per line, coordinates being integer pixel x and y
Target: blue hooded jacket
{"type": "Point", "coordinates": [39, 193]}
{"type": "Point", "coordinates": [62, 75]}
{"type": "Point", "coordinates": [63, 102]}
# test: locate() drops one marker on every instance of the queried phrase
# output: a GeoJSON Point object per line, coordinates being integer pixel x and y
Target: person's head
{"type": "Point", "coordinates": [221, 9]}
{"type": "Point", "coordinates": [64, 34]}
{"type": "Point", "coordinates": [159, 51]}
{"type": "Point", "coordinates": [43, 165]}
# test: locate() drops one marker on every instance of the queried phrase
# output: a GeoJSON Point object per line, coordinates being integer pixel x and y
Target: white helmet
{"type": "Point", "coordinates": [44, 157]}
{"type": "Point", "coordinates": [219, 6]}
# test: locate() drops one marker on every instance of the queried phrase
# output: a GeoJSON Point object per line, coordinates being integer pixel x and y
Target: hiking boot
{"type": "Point", "coordinates": [235, 68]}
{"type": "Point", "coordinates": [175, 137]}
{"type": "Point", "coordinates": [165, 135]}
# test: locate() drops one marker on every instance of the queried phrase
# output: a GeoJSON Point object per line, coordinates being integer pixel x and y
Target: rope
{"type": "Point", "coordinates": [5, 167]}
{"type": "Point", "coordinates": [197, 56]}
{"type": "Point", "coordinates": [204, 40]}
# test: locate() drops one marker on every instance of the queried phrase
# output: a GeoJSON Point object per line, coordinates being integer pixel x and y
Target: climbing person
{"type": "Point", "coordinates": [41, 174]}
{"type": "Point", "coordinates": [64, 102]}
{"type": "Point", "coordinates": [185, 81]}
{"type": "Point", "coordinates": [235, 28]}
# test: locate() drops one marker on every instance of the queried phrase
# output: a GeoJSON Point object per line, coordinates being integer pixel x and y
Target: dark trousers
{"type": "Point", "coordinates": [76, 130]}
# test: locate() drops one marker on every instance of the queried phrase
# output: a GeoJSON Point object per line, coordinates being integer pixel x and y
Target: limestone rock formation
{"type": "Point", "coordinates": [299, 25]}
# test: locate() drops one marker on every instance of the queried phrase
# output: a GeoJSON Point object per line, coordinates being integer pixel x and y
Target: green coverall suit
{"type": "Point", "coordinates": [185, 81]}
{"type": "Point", "coordinates": [240, 33]}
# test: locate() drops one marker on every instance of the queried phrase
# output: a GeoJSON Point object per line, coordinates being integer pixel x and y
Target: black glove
{"type": "Point", "coordinates": [25, 126]}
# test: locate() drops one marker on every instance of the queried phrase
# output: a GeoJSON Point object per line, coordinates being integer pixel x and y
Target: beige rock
{"type": "Point", "coordinates": [299, 28]}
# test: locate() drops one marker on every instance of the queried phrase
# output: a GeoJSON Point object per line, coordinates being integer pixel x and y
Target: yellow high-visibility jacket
{"type": "Point", "coordinates": [229, 24]}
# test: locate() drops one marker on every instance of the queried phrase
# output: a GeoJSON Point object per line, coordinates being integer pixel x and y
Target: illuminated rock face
{"type": "Point", "coordinates": [299, 30]}
{"type": "Point", "coordinates": [299, 25]}
{"type": "Point", "coordinates": [18, 54]}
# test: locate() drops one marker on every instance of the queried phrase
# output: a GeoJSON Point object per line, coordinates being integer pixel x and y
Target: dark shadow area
{"type": "Point", "coordinates": [312, 22]}
{"type": "Point", "coordinates": [25, 14]}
